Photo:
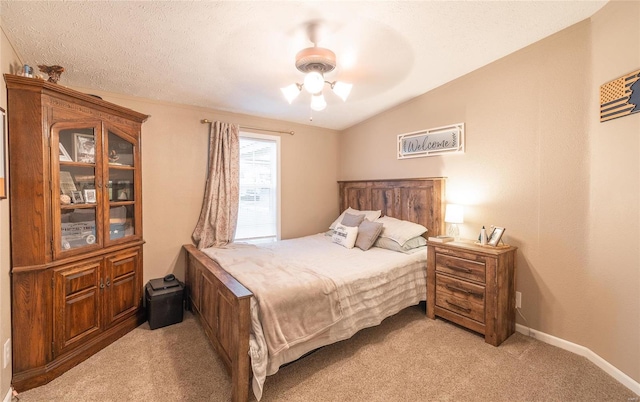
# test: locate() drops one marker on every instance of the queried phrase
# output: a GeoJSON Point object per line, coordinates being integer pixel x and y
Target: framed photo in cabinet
{"type": "Point", "coordinates": [3, 182]}
{"type": "Point", "coordinates": [63, 154]}
{"type": "Point", "coordinates": [90, 196]}
{"type": "Point", "coordinates": [76, 197]}
{"type": "Point", "coordinates": [84, 148]}
{"type": "Point", "coordinates": [67, 184]}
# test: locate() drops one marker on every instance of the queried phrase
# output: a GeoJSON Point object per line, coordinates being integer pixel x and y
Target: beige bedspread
{"type": "Point", "coordinates": [371, 286]}
{"type": "Point", "coordinates": [295, 303]}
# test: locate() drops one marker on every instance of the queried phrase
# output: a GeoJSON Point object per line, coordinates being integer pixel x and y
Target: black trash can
{"type": "Point", "coordinates": [164, 297]}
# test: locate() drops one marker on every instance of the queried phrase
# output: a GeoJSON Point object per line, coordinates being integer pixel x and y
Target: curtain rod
{"type": "Point", "coordinates": [205, 121]}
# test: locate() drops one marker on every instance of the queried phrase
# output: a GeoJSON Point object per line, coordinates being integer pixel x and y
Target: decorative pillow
{"type": "Point", "coordinates": [352, 220]}
{"type": "Point", "coordinates": [368, 233]}
{"type": "Point", "coordinates": [399, 230]}
{"type": "Point", "coordinates": [345, 235]}
{"type": "Point", "coordinates": [371, 215]}
{"type": "Point", "coordinates": [393, 245]}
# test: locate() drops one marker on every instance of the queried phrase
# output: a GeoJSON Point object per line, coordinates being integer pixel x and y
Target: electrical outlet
{"type": "Point", "coordinates": [518, 299]}
{"type": "Point", "coordinates": [7, 353]}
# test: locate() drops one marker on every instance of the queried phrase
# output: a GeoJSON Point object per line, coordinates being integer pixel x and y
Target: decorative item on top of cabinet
{"type": "Point", "coordinates": [473, 286]}
{"type": "Point", "coordinates": [76, 262]}
{"type": "Point", "coordinates": [52, 71]}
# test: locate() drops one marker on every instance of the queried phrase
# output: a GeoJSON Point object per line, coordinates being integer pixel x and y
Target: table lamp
{"type": "Point", "coordinates": [453, 216]}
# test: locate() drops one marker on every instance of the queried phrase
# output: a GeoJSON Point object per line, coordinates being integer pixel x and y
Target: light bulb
{"type": "Point", "coordinates": [291, 92]}
{"type": "Point", "coordinates": [313, 82]}
{"type": "Point", "coordinates": [318, 103]}
{"type": "Point", "coordinates": [342, 89]}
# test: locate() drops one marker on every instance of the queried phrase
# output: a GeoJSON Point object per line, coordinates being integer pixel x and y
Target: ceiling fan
{"type": "Point", "coordinates": [314, 62]}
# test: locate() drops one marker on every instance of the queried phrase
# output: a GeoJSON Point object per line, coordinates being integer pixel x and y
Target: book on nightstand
{"type": "Point", "coordinates": [441, 239]}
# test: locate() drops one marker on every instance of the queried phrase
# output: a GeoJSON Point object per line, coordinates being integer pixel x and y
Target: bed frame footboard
{"type": "Point", "coordinates": [221, 304]}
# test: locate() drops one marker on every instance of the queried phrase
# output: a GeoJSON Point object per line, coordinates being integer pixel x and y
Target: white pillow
{"type": "Point", "coordinates": [409, 246]}
{"type": "Point", "coordinates": [345, 235]}
{"type": "Point", "coordinates": [399, 230]}
{"type": "Point", "coordinates": [371, 215]}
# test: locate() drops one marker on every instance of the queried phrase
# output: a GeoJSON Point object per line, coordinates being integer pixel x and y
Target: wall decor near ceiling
{"type": "Point", "coordinates": [431, 142]}
{"type": "Point", "coordinates": [620, 97]}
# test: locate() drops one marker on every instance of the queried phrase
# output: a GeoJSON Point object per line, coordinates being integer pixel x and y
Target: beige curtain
{"type": "Point", "coordinates": [219, 215]}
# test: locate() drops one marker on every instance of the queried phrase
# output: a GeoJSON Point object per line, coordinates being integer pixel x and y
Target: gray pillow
{"type": "Point", "coordinates": [368, 232]}
{"type": "Point", "coordinates": [352, 220]}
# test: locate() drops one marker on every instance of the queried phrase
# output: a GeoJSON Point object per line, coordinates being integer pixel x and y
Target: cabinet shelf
{"type": "Point", "coordinates": [77, 206]}
{"type": "Point", "coordinates": [121, 203]}
{"type": "Point", "coordinates": [78, 164]}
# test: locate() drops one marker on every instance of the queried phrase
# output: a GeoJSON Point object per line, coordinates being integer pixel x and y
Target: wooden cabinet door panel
{"type": "Point", "coordinates": [122, 290]}
{"type": "Point", "coordinates": [77, 297]}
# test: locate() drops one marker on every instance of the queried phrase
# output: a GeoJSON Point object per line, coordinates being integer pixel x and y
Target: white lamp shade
{"type": "Point", "coordinates": [291, 92]}
{"type": "Point", "coordinates": [318, 103]}
{"type": "Point", "coordinates": [313, 82]}
{"type": "Point", "coordinates": [342, 89]}
{"type": "Point", "coordinates": [454, 214]}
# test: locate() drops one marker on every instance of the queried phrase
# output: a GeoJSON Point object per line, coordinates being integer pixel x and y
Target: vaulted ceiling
{"type": "Point", "coordinates": [235, 56]}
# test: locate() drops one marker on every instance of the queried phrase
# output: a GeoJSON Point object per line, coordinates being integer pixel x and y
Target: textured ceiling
{"type": "Point", "coordinates": [234, 56]}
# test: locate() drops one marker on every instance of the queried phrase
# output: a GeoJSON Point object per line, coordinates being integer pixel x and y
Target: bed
{"type": "Point", "coordinates": [225, 308]}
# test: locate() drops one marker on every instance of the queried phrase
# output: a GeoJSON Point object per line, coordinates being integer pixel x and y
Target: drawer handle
{"type": "Point", "coordinates": [466, 310]}
{"type": "Point", "coordinates": [456, 268]}
{"type": "Point", "coordinates": [465, 291]}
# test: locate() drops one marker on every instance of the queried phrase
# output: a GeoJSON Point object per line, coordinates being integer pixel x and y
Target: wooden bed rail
{"type": "Point", "coordinates": [221, 304]}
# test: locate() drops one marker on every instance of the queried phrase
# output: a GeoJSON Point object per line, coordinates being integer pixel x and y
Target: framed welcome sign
{"type": "Point", "coordinates": [431, 142]}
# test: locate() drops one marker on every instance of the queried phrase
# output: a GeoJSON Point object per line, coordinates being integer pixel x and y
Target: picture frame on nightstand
{"type": "Point", "coordinates": [495, 236]}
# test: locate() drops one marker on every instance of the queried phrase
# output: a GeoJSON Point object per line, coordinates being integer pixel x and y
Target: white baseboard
{"type": "Point", "coordinates": [607, 367]}
{"type": "Point", "coordinates": [7, 398]}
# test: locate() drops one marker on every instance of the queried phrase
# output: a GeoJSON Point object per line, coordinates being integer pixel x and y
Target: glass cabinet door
{"type": "Point", "coordinates": [121, 189]}
{"type": "Point", "coordinates": [76, 187]}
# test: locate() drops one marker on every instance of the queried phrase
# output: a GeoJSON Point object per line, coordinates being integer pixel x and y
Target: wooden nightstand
{"type": "Point", "coordinates": [473, 286]}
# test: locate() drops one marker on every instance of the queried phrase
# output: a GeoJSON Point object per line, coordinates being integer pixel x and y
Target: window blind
{"type": "Point", "coordinates": [258, 210]}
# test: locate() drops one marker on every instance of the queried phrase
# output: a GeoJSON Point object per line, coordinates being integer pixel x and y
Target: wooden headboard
{"type": "Point", "coordinates": [415, 200]}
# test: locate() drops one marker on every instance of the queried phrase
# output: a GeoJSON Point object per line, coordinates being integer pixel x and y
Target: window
{"type": "Point", "coordinates": [259, 210]}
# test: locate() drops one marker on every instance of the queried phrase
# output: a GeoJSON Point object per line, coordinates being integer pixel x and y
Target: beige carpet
{"type": "Point", "coordinates": [407, 358]}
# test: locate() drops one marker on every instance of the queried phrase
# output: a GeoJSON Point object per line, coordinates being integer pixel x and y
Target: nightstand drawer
{"type": "Point", "coordinates": [463, 268]}
{"type": "Point", "coordinates": [461, 297]}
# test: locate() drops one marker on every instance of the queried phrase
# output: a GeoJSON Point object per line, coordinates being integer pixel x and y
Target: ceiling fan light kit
{"type": "Point", "coordinates": [313, 82]}
{"type": "Point", "coordinates": [315, 62]}
{"type": "Point", "coordinates": [317, 102]}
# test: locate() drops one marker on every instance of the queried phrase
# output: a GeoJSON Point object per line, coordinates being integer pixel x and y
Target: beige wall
{"type": "Point", "coordinates": [539, 163]}
{"type": "Point", "coordinates": [613, 262]}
